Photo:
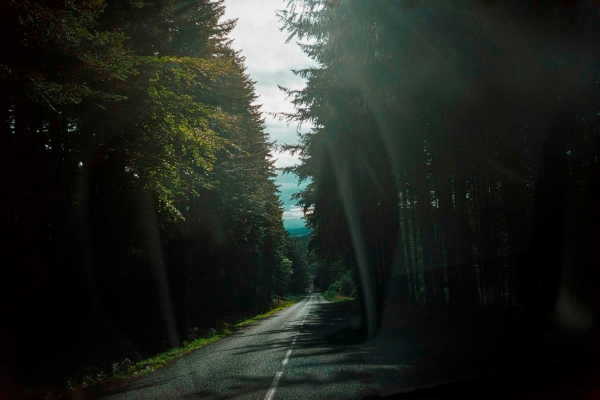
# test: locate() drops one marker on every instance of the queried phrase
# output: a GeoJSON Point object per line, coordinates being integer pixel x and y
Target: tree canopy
{"type": "Point", "coordinates": [443, 163]}
{"type": "Point", "coordinates": [138, 187]}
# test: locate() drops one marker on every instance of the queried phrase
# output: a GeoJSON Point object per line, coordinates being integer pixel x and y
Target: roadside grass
{"type": "Point", "coordinates": [285, 303]}
{"type": "Point", "coordinates": [336, 297]}
{"type": "Point", "coordinates": [165, 358]}
{"type": "Point", "coordinates": [126, 370]}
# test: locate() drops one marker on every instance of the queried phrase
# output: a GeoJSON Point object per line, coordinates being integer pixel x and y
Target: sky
{"type": "Point", "coordinates": [269, 61]}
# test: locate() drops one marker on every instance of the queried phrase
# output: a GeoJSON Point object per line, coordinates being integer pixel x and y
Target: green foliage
{"type": "Point", "coordinates": [282, 275]}
{"type": "Point", "coordinates": [344, 288]}
{"type": "Point", "coordinates": [300, 278]}
{"type": "Point", "coordinates": [136, 164]}
{"type": "Point", "coordinates": [125, 369]}
{"type": "Point", "coordinates": [178, 143]}
{"type": "Point", "coordinates": [76, 62]}
{"type": "Point", "coordinates": [424, 154]}
{"type": "Point", "coordinates": [324, 275]}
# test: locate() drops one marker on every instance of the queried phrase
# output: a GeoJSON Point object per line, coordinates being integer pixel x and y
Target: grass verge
{"type": "Point", "coordinates": [336, 297]}
{"type": "Point", "coordinates": [126, 370]}
{"type": "Point", "coordinates": [281, 305]}
{"type": "Point", "coordinates": [163, 359]}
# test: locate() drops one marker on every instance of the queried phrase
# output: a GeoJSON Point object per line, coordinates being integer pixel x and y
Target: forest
{"type": "Point", "coordinates": [453, 161]}
{"type": "Point", "coordinates": [452, 164]}
{"type": "Point", "coordinates": [138, 193]}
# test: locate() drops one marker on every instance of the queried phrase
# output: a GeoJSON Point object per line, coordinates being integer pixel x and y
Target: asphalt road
{"type": "Point", "coordinates": [308, 351]}
{"type": "Point", "coordinates": [313, 351]}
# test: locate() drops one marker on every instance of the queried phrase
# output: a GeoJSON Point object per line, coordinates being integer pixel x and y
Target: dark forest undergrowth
{"type": "Point", "coordinates": [448, 345]}
{"type": "Point", "coordinates": [419, 346]}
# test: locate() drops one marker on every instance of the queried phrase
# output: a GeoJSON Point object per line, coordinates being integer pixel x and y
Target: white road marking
{"type": "Point", "coordinates": [278, 375]}
{"type": "Point", "coordinates": [271, 392]}
{"type": "Point", "coordinates": [310, 304]}
{"type": "Point", "coordinates": [287, 357]}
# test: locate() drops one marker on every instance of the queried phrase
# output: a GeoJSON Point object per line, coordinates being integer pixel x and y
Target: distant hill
{"type": "Point", "coordinates": [299, 231]}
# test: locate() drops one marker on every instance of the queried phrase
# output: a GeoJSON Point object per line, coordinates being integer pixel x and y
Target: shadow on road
{"type": "Point", "coordinates": [328, 327]}
{"type": "Point", "coordinates": [328, 357]}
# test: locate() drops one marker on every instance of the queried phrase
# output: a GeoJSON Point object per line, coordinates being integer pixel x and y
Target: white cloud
{"type": "Point", "coordinates": [257, 34]}
{"type": "Point", "coordinates": [295, 212]}
{"type": "Point", "coordinates": [269, 61]}
{"type": "Point", "coordinates": [285, 159]}
{"type": "Point", "coordinates": [282, 132]}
